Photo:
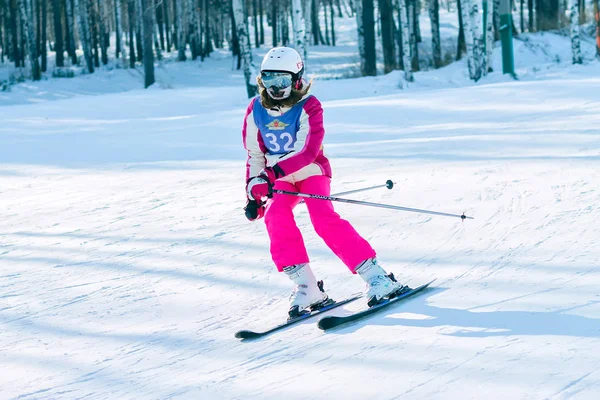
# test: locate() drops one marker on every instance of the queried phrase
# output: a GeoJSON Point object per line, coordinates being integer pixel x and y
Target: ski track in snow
{"type": "Point", "coordinates": [126, 263]}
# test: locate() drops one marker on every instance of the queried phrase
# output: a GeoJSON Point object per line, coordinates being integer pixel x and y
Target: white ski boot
{"type": "Point", "coordinates": [308, 293]}
{"type": "Point", "coordinates": [379, 283]}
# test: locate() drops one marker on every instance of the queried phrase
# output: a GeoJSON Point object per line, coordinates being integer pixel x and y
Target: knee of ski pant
{"type": "Point", "coordinates": [323, 218]}
{"type": "Point", "coordinates": [278, 213]}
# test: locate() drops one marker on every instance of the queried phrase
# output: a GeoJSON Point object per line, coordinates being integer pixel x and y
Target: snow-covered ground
{"type": "Point", "coordinates": [126, 263]}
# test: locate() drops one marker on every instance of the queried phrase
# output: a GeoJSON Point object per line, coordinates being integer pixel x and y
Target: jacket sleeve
{"type": "Point", "coordinates": [253, 144]}
{"type": "Point", "coordinates": [309, 139]}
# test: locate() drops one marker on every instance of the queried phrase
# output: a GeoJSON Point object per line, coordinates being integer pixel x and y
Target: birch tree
{"type": "Point", "coordinates": [473, 63]}
{"type": "Point", "coordinates": [489, 37]}
{"type": "Point", "coordinates": [245, 47]}
{"type": "Point", "coordinates": [478, 38]}
{"type": "Point", "coordinates": [434, 16]}
{"type": "Point", "coordinates": [81, 15]}
{"type": "Point", "coordinates": [299, 27]}
{"type": "Point", "coordinates": [26, 10]}
{"type": "Point", "coordinates": [575, 32]}
{"type": "Point", "coordinates": [118, 29]}
{"type": "Point", "coordinates": [307, 12]}
{"type": "Point", "coordinates": [193, 28]}
{"type": "Point", "coordinates": [180, 30]}
{"type": "Point", "coordinates": [403, 21]}
{"type": "Point", "coordinates": [361, 35]}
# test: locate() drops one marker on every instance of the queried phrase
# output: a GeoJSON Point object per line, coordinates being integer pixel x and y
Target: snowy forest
{"type": "Point", "coordinates": [53, 36]}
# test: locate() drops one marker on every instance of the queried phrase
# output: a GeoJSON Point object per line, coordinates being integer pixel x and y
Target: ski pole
{"type": "Point", "coordinates": [365, 203]}
{"type": "Point", "coordinates": [388, 184]}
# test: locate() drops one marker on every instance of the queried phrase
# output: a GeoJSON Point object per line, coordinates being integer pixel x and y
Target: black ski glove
{"type": "Point", "coordinates": [254, 210]}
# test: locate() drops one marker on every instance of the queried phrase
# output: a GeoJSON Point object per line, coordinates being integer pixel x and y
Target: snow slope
{"type": "Point", "coordinates": [126, 263]}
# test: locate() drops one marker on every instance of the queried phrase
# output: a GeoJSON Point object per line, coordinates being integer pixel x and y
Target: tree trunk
{"type": "Point", "coordinates": [58, 37]}
{"type": "Point", "coordinates": [461, 46]}
{"type": "Point", "coordinates": [37, 12]}
{"type": "Point", "coordinates": [102, 34]}
{"type": "Point", "coordinates": [139, 22]}
{"type": "Point", "coordinates": [315, 24]}
{"type": "Point", "coordinates": [208, 47]}
{"type": "Point", "coordinates": [306, 14]}
{"type": "Point", "coordinates": [283, 22]}
{"type": "Point", "coordinates": [387, 35]}
{"type": "Point", "coordinates": [368, 11]}
{"type": "Point", "coordinates": [181, 56]}
{"type": "Point", "coordinates": [478, 38]}
{"type": "Point", "coordinates": [434, 16]}
{"type": "Point", "coordinates": [165, 13]}
{"type": "Point", "coordinates": [332, 16]}
{"type": "Point", "coordinates": [26, 9]}
{"type": "Point", "coordinates": [159, 57]}
{"type": "Point", "coordinates": [361, 36]}
{"type": "Point", "coordinates": [14, 35]}
{"type": "Point", "coordinates": [131, 20]}
{"type": "Point", "coordinates": [262, 28]}
{"type": "Point", "coordinates": [403, 21]}
{"type": "Point", "coordinates": [299, 26]}
{"type": "Point", "coordinates": [81, 8]}
{"type": "Point", "coordinates": [147, 9]}
{"type": "Point", "coordinates": [235, 43]}
{"type": "Point", "coordinates": [255, 23]}
{"type": "Point", "coordinates": [193, 29]}
{"type": "Point", "coordinates": [93, 15]}
{"type": "Point", "coordinates": [466, 9]}
{"type": "Point", "coordinates": [161, 24]}
{"type": "Point", "coordinates": [522, 15]}
{"type": "Point", "coordinates": [245, 48]}
{"type": "Point", "coordinates": [530, 15]}
{"type": "Point", "coordinates": [496, 19]}
{"type": "Point", "coordinates": [118, 29]}
{"type": "Point", "coordinates": [489, 37]}
{"type": "Point", "coordinates": [4, 31]}
{"type": "Point", "coordinates": [412, 25]}
{"type": "Point", "coordinates": [44, 39]}
{"type": "Point", "coordinates": [575, 32]}
{"type": "Point", "coordinates": [326, 23]}
{"type": "Point", "coordinates": [70, 18]}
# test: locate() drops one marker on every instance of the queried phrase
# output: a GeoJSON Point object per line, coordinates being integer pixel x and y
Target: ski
{"type": "Point", "coordinates": [247, 334]}
{"type": "Point", "coordinates": [331, 322]}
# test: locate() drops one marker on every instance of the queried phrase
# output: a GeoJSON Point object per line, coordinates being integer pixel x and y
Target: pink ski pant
{"type": "Point", "coordinates": [287, 244]}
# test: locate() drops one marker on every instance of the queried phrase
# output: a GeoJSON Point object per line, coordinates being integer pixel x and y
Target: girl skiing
{"type": "Point", "coordinates": [283, 134]}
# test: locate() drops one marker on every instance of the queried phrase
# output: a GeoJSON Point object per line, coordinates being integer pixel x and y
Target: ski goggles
{"type": "Point", "coordinates": [277, 80]}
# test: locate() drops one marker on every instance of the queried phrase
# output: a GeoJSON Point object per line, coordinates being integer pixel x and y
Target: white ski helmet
{"type": "Point", "coordinates": [279, 62]}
